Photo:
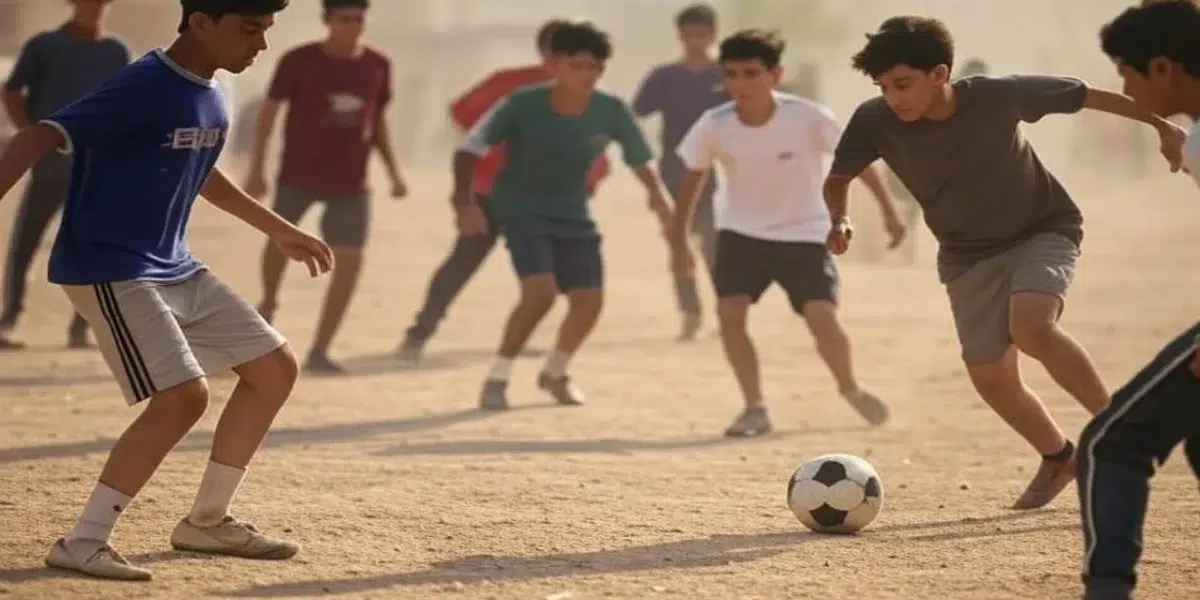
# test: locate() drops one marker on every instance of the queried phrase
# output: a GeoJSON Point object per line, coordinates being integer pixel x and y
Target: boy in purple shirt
{"type": "Point", "coordinates": [681, 91]}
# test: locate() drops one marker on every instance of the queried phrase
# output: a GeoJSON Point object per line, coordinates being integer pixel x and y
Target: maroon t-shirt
{"type": "Point", "coordinates": [334, 105]}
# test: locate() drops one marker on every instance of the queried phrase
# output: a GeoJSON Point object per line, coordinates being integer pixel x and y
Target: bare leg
{"type": "Point", "coordinates": [1001, 386]}
{"type": "Point", "coordinates": [832, 343]}
{"type": "Point", "coordinates": [732, 312]}
{"type": "Point", "coordinates": [333, 310]}
{"type": "Point", "coordinates": [1035, 331]}
{"type": "Point", "coordinates": [274, 264]}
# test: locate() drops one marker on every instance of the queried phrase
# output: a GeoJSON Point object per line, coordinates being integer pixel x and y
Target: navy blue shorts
{"type": "Point", "coordinates": [574, 260]}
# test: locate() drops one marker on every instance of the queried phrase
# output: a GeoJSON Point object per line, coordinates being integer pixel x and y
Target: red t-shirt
{"type": "Point", "coordinates": [334, 106]}
{"type": "Point", "coordinates": [474, 104]}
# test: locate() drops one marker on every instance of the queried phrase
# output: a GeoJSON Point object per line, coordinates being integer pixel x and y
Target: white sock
{"type": "Point", "coordinates": [217, 488]}
{"type": "Point", "coordinates": [100, 515]}
{"type": "Point", "coordinates": [556, 364]}
{"type": "Point", "coordinates": [501, 369]}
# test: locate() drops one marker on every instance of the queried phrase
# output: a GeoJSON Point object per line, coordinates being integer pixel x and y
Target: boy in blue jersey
{"type": "Point", "coordinates": [145, 144]}
{"type": "Point", "coordinates": [1156, 49]}
{"type": "Point", "coordinates": [553, 133]}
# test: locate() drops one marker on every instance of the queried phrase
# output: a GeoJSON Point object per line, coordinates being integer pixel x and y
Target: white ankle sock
{"type": "Point", "coordinates": [501, 369]}
{"type": "Point", "coordinates": [216, 492]}
{"type": "Point", "coordinates": [556, 363]}
{"type": "Point", "coordinates": [100, 515]}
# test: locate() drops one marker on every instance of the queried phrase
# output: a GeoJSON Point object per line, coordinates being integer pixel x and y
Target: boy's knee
{"type": "Point", "coordinates": [272, 375]}
{"type": "Point", "coordinates": [1033, 336]}
{"type": "Point", "coordinates": [732, 311]}
{"type": "Point", "coordinates": [182, 405]}
{"type": "Point", "coordinates": [538, 293]}
{"type": "Point", "coordinates": [995, 378]}
{"type": "Point", "coordinates": [587, 300]}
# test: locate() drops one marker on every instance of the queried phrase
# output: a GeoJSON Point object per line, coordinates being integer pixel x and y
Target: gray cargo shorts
{"type": "Point", "coordinates": [980, 297]}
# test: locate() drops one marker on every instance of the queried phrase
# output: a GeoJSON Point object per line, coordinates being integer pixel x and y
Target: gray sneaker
{"type": "Point", "coordinates": [869, 406]}
{"type": "Point", "coordinates": [231, 537]}
{"type": "Point", "coordinates": [95, 558]}
{"type": "Point", "coordinates": [562, 389]}
{"type": "Point", "coordinates": [494, 395]}
{"type": "Point", "coordinates": [691, 326]}
{"type": "Point", "coordinates": [752, 422]}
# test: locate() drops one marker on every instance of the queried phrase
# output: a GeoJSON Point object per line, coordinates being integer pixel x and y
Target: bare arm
{"type": "Point", "coordinates": [14, 106]}
{"type": "Point", "coordinates": [267, 116]}
{"type": "Point", "coordinates": [837, 195]}
{"type": "Point", "coordinates": [383, 143]}
{"type": "Point", "coordinates": [24, 151]}
{"type": "Point", "coordinates": [1122, 106]}
{"type": "Point", "coordinates": [227, 196]}
{"type": "Point", "coordinates": [685, 207]}
{"type": "Point", "coordinates": [463, 169]}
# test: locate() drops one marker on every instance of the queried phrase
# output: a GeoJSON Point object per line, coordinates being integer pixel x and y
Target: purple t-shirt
{"type": "Point", "coordinates": [681, 95]}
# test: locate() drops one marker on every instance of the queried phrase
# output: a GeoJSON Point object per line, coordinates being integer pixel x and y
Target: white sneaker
{"type": "Point", "coordinates": [95, 558]}
{"type": "Point", "coordinates": [233, 538]}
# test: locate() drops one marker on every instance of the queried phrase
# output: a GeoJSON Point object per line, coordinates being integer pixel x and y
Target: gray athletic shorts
{"type": "Point", "coordinates": [155, 336]}
{"type": "Point", "coordinates": [344, 222]}
{"type": "Point", "coordinates": [980, 297]}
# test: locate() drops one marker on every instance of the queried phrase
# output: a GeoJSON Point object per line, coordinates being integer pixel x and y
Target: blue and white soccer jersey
{"type": "Point", "coordinates": [144, 144]}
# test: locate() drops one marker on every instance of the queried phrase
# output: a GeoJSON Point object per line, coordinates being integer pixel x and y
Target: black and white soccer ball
{"type": "Point", "coordinates": [835, 493]}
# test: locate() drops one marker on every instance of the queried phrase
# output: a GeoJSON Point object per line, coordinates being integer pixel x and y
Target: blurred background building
{"type": "Point", "coordinates": [441, 46]}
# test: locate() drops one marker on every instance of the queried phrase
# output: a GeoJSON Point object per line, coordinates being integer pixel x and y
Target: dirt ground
{"type": "Point", "coordinates": [398, 488]}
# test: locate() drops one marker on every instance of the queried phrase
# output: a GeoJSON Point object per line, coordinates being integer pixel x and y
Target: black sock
{"type": "Point", "coordinates": [1066, 452]}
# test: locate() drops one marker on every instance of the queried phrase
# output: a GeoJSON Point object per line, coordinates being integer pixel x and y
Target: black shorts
{"type": "Point", "coordinates": [747, 266]}
{"type": "Point", "coordinates": [344, 222]}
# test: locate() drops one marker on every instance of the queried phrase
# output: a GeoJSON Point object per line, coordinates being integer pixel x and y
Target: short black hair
{"type": "Point", "coordinates": [1166, 28]}
{"type": "Point", "coordinates": [696, 14]}
{"type": "Point", "coordinates": [753, 44]}
{"type": "Point", "coordinates": [546, 30]}
{"type": "Point", "coordinates": [922, 43]}
{"type": "Point", "coordinates": [332, 5]}
{"type": "Point", "coordinates": [216, 9]}
{"type": "Point", "coordinates": [578, 37]}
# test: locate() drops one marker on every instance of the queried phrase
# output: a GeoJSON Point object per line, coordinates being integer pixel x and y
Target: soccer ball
{"type": "Point", "coordinates": [835, 493]}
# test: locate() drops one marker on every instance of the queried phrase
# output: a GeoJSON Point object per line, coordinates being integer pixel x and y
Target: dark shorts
{"type": "Point", "coordinates": [344, 223]}
{"type": "Point", "coordinates": [747, 266]}
{"type": "Point", "coordinates": [572, 257]}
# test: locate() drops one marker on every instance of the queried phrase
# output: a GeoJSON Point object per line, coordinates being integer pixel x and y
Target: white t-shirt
{"type": "Point", "coordinates": [1191, 152]}
{"type": "Point", "coordinates": [773, 172]}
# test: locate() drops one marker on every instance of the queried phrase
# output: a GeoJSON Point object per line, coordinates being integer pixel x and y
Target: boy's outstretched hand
{"type": "Point", "coordinates": [302, 247]}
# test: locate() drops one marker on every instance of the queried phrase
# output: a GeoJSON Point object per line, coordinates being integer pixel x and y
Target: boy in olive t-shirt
{"type": "Point", "coordinates": [1008, 232]}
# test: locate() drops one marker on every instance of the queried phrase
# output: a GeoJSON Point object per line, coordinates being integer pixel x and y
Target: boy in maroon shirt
{"type": "Point", "coordinates": [336, 91]}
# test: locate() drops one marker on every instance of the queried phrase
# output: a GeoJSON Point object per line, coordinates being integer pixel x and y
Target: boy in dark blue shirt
{"type": "Point", "coordinates": [145, 144]}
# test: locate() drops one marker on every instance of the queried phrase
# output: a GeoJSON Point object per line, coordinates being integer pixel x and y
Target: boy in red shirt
{"type": "Point", "coordinates": [336, 91]}
{"type": "Point", "coordinates": [469, 252]}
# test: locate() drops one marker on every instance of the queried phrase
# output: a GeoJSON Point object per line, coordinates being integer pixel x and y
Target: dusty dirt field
{"type": "Point", "coordinates": [398, 488]}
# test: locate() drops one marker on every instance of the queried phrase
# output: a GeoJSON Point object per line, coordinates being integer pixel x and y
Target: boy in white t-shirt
{"type": "Point", "coordinates": [1156, 49]}
{"type": "Point", "coordinates": [772, 228]}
